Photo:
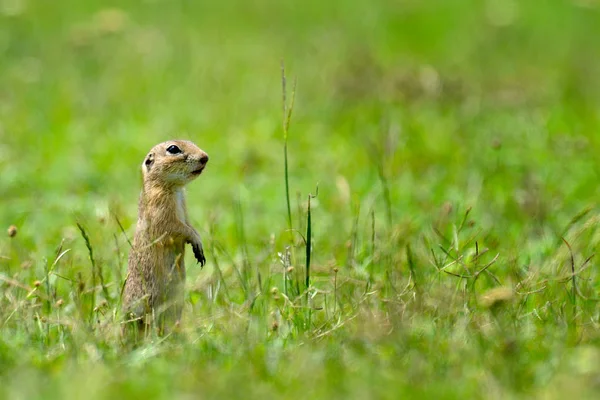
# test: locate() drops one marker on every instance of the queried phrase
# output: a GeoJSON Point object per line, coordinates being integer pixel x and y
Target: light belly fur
{"type": "Point", "coordinates": [180, 205]}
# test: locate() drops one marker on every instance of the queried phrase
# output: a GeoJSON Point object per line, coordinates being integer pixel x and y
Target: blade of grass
{"type": "Point", "coordinates": [287, 116]}
{"type": "Point", "coordinates": [93, 261]}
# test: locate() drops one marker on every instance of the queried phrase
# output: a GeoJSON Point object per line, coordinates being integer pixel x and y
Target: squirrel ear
{"type": "Point", "coordinates": [149, 161]}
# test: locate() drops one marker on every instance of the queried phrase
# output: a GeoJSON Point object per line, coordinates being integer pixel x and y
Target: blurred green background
{"type": "Point", "coordinates": [407, 114]}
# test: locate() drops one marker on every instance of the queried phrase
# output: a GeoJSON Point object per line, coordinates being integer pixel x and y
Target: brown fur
{"type": "Point", "coordinates": [156, 271]}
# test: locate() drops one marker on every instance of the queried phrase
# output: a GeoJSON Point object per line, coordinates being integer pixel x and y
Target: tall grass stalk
{"type": "Point", "coordinates": [353, 237]}
{"type": "Point", "coordinates": [373, 233]}
{"type": "Point", "coordinates": [287, 116]}
{"type": "Point", "coordinates": [573, 325]}
{"type": "Point", "coordinates": [386, 192]}
{"type": "Point", "coordinates": [308, 248]}
{"type": "Point", "coordinates": [48, 299]}
{"type": "Point", "coordinates": [309, 240]}
{"type": "Point", "coordinates": [88, 244]}
{"type": "Point", "coordinates": [378, 159]}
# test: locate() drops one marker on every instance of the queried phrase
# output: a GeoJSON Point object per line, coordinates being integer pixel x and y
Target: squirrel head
{"type": "Point", "coordinates": [174, 163]}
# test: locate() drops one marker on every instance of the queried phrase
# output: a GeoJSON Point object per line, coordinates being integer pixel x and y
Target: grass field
{"type": "Point", "coordinates": [455, 149]}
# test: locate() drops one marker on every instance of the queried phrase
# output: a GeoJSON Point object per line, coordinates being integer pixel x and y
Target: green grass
{"type": "Point", "coordinates": [454, 145]}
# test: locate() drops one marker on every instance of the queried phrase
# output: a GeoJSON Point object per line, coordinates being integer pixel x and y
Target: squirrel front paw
{"type": "Point", "coordinates": [199, 253]}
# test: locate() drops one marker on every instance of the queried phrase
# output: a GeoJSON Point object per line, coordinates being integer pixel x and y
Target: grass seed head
{"type": "Point", "coordinates": [12, 231]}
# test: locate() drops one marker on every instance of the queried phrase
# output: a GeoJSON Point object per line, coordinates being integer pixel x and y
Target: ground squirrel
{"type": "Point", "coordinates": [156, 271]}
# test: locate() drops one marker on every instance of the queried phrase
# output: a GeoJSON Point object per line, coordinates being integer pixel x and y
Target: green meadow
{"type": "Point", "coordinates": [433, 236]}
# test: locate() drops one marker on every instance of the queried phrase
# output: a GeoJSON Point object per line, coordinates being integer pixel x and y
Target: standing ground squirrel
{"type": "Point", "coordinates": [156, 271]}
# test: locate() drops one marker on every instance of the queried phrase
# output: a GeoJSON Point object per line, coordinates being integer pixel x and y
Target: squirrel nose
{"type": "Point", "coordinates": [204, 158]}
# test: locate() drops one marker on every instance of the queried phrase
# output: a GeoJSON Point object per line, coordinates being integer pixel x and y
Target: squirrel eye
{"type": "Point", "coordinates": [172, 149]}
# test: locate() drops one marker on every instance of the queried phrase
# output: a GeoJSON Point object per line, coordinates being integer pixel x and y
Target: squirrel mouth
{"type": "Point", "coordinates": [198, 171]}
